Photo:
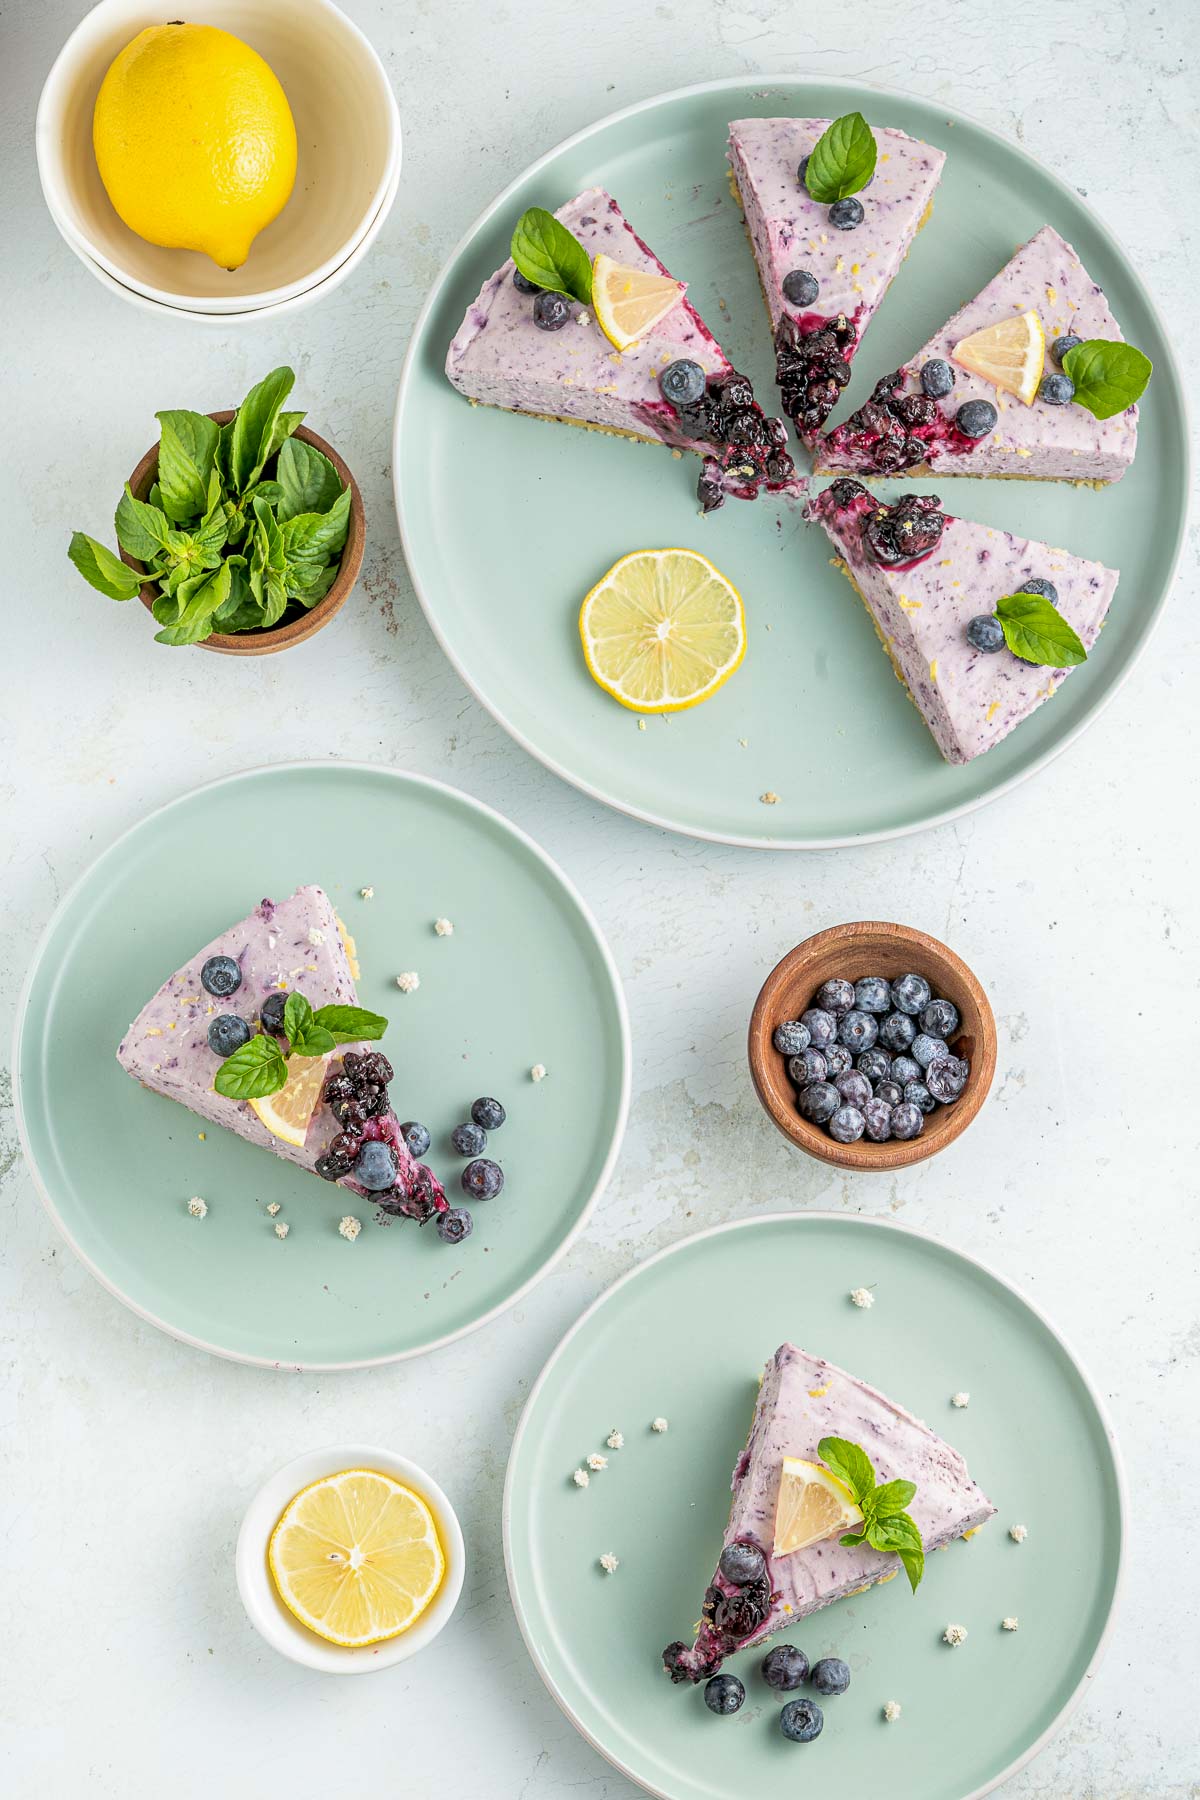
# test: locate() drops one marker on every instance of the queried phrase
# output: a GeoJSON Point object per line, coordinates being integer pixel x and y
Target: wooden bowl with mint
{"type": "Point", "coordinates": [240, 531]}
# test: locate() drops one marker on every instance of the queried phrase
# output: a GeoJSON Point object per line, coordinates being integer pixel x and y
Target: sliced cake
{"type": "Point", "coordinates": [932, 582]}
{"type": "Point", "coordinates": [823, 281]}
{"type": "Point", "coordinates": [337, 1121]}
{"type": "Point", "coordinates": [802, 1400]}
{"type": "Point", "coordinates": [938, 415]}
{"type": "Point", "coordinates": [546, 355]}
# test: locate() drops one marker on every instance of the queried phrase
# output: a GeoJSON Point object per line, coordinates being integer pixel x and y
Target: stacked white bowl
{"type": "Point", "coordinates": [347, 174]}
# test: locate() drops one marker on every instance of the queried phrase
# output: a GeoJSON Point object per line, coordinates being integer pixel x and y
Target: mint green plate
{"type": "Point", "coordinates": [508, 521]}
{"type": "Point", "coordinates": [686, 1336]}
{"type": "Point", "coordinates": [526, 978]}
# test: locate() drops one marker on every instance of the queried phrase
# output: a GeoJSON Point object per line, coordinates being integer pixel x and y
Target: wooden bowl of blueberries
{"type": "Point", "coordinates": [872, 1046]}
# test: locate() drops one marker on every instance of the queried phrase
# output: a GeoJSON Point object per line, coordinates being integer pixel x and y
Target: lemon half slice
{"type": "Point", "coordinates": [663, 630]}
{"type": "Point", "coordinates": [286, 1114]}
{"type": "Point", "coordinates": [1011, 355]}
{"type": "Point", "coordinates": [356, 1557]}
{"type": "Point", "coordinates": [630, 302]}
{"type": "Point", "coordinates": [813, 1504]}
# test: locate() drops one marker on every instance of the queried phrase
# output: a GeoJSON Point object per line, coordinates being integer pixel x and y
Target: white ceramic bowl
{"type": "Point", "coordinates": [271, 1617]}
{"type": "Point", "coordinates": [348, 134]}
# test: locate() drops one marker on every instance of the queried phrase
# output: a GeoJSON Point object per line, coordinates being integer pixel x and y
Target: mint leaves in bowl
{"type": "Point", "coordinates": [241, 531]}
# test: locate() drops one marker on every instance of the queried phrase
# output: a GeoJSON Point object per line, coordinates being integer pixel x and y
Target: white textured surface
{"type": "Point", "coordinates": [127, 1459]}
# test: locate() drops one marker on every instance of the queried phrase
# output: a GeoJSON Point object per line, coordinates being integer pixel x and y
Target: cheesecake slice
{"type": "Point", "coordinates": [803, 1399]}
{"type": "Point", "coordinates": [906, 430]}
{"type": "Point", "coordinates": [822, 285]}
{"type": "Point", "coordinates": [937, 573]}
{"type": "Point", "coordinates": [298, 945]}
{"type": "Point", "coordinates": [574, 375]}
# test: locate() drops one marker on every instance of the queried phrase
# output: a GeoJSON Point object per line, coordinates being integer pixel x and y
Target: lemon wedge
{"type": "Point", "coordinates": [286, 1114]}
{"type": "Point", "coordinates": [356, 1557]}
{"type": "Point", "coordinates": [1010, 354]}
{"type": "Point", "coordinates": [630, 302]}
{"type": "Point", "coordinates": [813, 1504]}
{"type": "Point", "coordinates": [663, 630]}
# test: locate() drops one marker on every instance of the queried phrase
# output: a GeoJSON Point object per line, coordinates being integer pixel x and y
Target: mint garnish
{"type": "Point", "coordinates": [256, 1069]}
{"type": "Point", "coordinates": [886, 1524]}
{"type": "Point", "coordinates": [259, 1067]}
{"type": "Point", "coordinates": [1036, 631]}
{"type": "Point", "coordinates": [843, 160]}
{"type": "Point", "coordinates": [550, 256]}
{"type": "Point", "coordinates": [1107, 376]}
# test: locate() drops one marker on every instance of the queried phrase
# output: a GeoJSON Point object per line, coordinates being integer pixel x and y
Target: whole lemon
{"type": "Point", "coordinates": [195, 140]}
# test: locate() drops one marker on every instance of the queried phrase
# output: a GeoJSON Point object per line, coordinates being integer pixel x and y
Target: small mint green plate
{"type": "Point", "coordinates": [526, 978]}
{"type": "Point", "coordinates": [686, 1335]}
{"type": "Point", "coordinates": [508, 521]}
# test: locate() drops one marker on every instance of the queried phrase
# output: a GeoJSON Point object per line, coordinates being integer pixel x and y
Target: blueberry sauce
{"type": "Point", "coordinates": [356, 1093]}
{"type": "Point", "coordinates": [896, 537]}
{"type": "Point", "coordinates": [895, 430]}
{"type": "Point", "coordinates": [746, 450]}
{"type": "Point", "coordinates": [812, 366]}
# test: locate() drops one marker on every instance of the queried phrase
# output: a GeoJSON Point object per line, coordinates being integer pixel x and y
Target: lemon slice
{"type": "Point", "coordinates": [356, 1557]}
{"type": "Point", "coordinates": [286, 1114]}
{"type": "Point", "coordinates": [663, 630]}
{"type": "Point", "coordinates": [629, 302]}
{"type": "Point", "coordinates": [1011, 355]}
{"type": "Point", "coordinates": [813, 1504]}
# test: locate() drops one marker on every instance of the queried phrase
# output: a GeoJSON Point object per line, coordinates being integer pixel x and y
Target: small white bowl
{"type": "Point", "coordinates": [266, 1610]}
{"type": "Point", "coordinates": [348, 134]}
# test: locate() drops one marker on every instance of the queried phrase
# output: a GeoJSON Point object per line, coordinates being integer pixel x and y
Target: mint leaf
{"type": "Point", "coordinates": [297, 1014]}
{"type": "Point", "coordinates": [106, 572]}
{"type": "Point", "coordinates": [843, 160]}
{"type": "Point", "coordinates": [551, 256]}
{"type": "Point", "coordinates": [312, 536]}
{"type": "Point", "coordinates": [309, 591]}
{"type": "Point", "coordinates": [901, 1536]}
{"type": "Point", "coordinates": [253, 433]}
{"type": "Point", "coordinates": [202, 596]}
{"type": "Point", "coordinates": [257, 1069]}
{"type": "Point", "coordinates": [186, 458]}
{"type": "Point", "coordinates": [851, 1538]}
{"type": "Point", "coordinates": [892, 1498]}
{"type": "Point", "coordinates": [1108, 376]}
{"type": "Point", "coordinates": [142, 530]}
{"type": "Point", "coordinates": [314, 1041]}
{"type": "Point", "coordinates": [849, 1463]}
{"type": "Point", "coordinates": [350, 1024]}
{"type": "Point", "coordinates": [308, 481]}
{"type": "Point", "coordinates": [285, 424]}
{"type": "Point", "coordinates": [1036, 631]}
{"type": "Point", "coordinates": [268, 561]}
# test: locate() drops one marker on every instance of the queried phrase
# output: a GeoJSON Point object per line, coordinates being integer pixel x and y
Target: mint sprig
{"type": "Point", "coordinates": [1108, 376]}
{"type": "Point", "coordinates": [259, 1067]}
{"type": "Point", "coordinates": [550, 256]}
{"type": "Point", "coordinates": [1036, 631]}
{"type": "Point", "coordinates": [886, 1523]}
{"type": "Point", "coordinates": [843, 160]}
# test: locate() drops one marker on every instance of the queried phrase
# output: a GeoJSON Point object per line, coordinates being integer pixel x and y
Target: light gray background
{"type": "Point", "coordinates": [127, 1458]}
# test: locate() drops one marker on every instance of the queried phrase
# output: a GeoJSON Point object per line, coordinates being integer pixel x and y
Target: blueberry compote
{"type": "Point", "coordinates": [896, 431]}
{"type": "Point", "coordinates": [812, 366]}
{"type": "Point", "coordinates": [733, 1612]}
{"type": "Point", "coordinates": [746, 449]}
{"type": "Point", "coordinates": [356, 1093]}
{"type": "Point", "coordinates": [897, 536]}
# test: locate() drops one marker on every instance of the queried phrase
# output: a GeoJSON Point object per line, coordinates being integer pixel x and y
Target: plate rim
{"type": "Point", "coordinates": [751, 841]}
{"type": "Point", "coordinates": [856, 1221]}
{"type": "Point", "coordinates": [393, 772]}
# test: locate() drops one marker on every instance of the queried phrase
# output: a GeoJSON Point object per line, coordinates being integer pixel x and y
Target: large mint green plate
{"type": "Point", "coordinates": [686, 1335]}
{"type": "Point", "coordinates": [526, 978]}
{"type": "Point", "coordinates": [508, 521]}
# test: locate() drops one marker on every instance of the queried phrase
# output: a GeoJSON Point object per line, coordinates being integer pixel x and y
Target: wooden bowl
{"type": "Point", "coordinates": [870, 948]}
{"type": "Point", "coordinates": [294, 631]}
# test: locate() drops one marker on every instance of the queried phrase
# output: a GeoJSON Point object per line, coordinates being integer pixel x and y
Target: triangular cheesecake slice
{"type": "Point", "coordinates": [298, 945]}
{"type": "Point", "coordinates": [821, 284]}
{"type": "Point", "coordinates": [501, 357]}
{"type": "Point", "coordinates": [937, 573]}
{"type": "Point", "coordinates": [910, 427]}
{"type": "Point", "coordinates": [803, 1399]}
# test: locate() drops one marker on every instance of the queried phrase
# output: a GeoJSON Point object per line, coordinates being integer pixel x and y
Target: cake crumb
{"type": "Point", "coordinates": [609, 1563]}
{"type": "Point", "coordinates": [281, 1230]}
{"type": "Point", "coordinates": [954, 1635]}
{"type": "Point", "coordinates": [274, 1208]}
{"type": "Point", "coordinates": [349, 1227]}
{"type": "Point", "coordinates": [596, 1461]}
{"type": "Point", "coordinates": [891, 1711]}
{"type": "Point", "coordinates": [615, 1440]}
{"type": "Point", "coordinates": [202, 1135]}
{"type": "Point", "coordinates": [659, 1424]}
{"type": "Point", "coordinates": [581, 1478]}
{"type": "Point", "coordinates": [1018, 1533]}
{"type": "Point", "coordinates": [538, 1072]}
{"type": "Point", "coordinates": [960, 1399]}
{"type": "Point", "coordinates": [198, 1207]}
{"type": "Point", "coordinates": [367, 893]}
{"type": "Point", "coordinates": [1009, 1624]}
{"type": "Point", "coordinates": [770, 798]}
{"type": "Point", "coordinates": [862, 1297]}
{"type": "Point", "coordinates": [408, 982]}
{"type": "Point", "coordinates": [443, 927]}
{"type": "Point", "coordinates": [315, 937]}
{"type": "Point", "coordinates": [744, 742]}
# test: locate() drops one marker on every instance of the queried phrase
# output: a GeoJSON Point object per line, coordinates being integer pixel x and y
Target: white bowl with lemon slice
{"type": "Point", "coordinates": [349, 1559]}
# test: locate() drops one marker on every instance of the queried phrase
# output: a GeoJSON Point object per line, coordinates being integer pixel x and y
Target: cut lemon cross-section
{"type": "Point", "coordinates": [630, 302]}
{"type": "Point", "coordinates": [1010, 354]}
{"type": "Point", "coordinates": [813, 1504]}
{"type": "Point", "coordinates": [356, 1557]}
{"type": "Point", "coordinates": [286, 1114]}
{"type": "Point", "coordinates": [663, 630]}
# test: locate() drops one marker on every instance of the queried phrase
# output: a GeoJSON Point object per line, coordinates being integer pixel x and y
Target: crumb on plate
{"type": "Point", "coordinates": [281, 1230]}
{"type": "Point", "coordinates": [367, 893]}
{"type": "Point", "coordinates": [408, 981]}
{"type": "Point", "coordinates": [891, 1711]}
{"type": "Point", "coordinates": [659, 1424]}
{"type": "Point", "coordinates": [274, 1208]}
{"type": "Point", "coordinates": [443, 927]}
{"type": "Point", "coordinates": [862, 1297]}
{"type": "Point", "coordinates": [1009, 1624]}
{"type": "Point", "coordinates": [596, 1461]}
{"type": "Point", "coordinates": [198, 1207]}
{"type": "Point", "coordinates": [538, 1072]}
{"type": "Point", "coordinates": [349, 1227]}
{"type": "Point", "coordinates": [954, 1635]}
{"type": "Point", "coordinates": [1018, 1533]}
{"type": "Point", "coordinates": [609, 1563]}
{"type": "Point", "coordinates": [581, 1478]}
{"type": "Point", "coordinates": [615, 1440]}
{"type": "Point", "coordinates": [960, 1399]}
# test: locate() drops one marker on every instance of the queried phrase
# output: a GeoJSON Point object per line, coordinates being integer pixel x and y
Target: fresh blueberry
{"type": "Point", "coordinates": [1062, 345]}
{"type": "Point", "coordinates": [875, 1065]}
{"type": "Point", "coordinates": [375, 1168]}
{"type": "Point", "coordinates": [975, 418]}
{"type": "Point", "coordinates": [800, 288]}
{"type": "Point", "coordinates": [416, 1136]}
{"type": "Point", "coordinates": [836, 996]}
{"type": "Point", "coordinates": [724, 1694]}
{"type": "Point", "coordinates": [1036, 585]}
{"type": "Point", "coordinates": [854, 1088]}
{"type": "Point", "coordinates": [791, 1037]}
{"type": "Point", "coordinates": [837, 1060]}
{"type": "Point", "coordinates": [822, 1026]}
{"type": "Point", "coordinates": [682, 382]}
{"type": "Point", "coordinates": [917, 1094]}
{"type": "Point", "coordinates": [454, 1225]}
{"type": "Point", "coordinates": [818, 1102]}
{"type": "Point", "coordinates": [940, 1018]}
{"type": "Point", "coordinates": [926, 1048]}
{"type": "Point", "coordinates": [271, 1015]}
{"type": "Point", "coordinates": [802, 171]}
{"type": "Point", "coordinates": [488, 1114]}
{"type": "Point", "coordinates": [897, 1031]}
{"type": "Point", "coordinates": [907, 1120]}
{"type": "Point", "coordinates": [810, 1065]}
{"type": "Point", "coordinates": [846, 214]}
{"type": "Point", "coordinates": [910, 994]}
{"type": "Point", "coordinates": [830, 1676]}
{"type": "Point", "coordinates": [889, 1091]}
{"type": "Point", "coordinates": [801, 1721]}
{"type": "Point", "coordinates": [221, 975]}
{"type": "Point", "coordinates": [523, 284]}
{"type": "Point", "coordinates": [227, 1033]}
{"type": "Point", "coordinates": [785, 1667]}
{"type": "Point", "coordinates": [847, 1125]}
{"type": "Point", "coordinates": [551, 311]}
{"type": "Point", "coordinates": [937, 378]}
{"type": "Point", "coordinates": [946, 1078]}
{"type": "Point", "coordinates": [1056, 390]}
{"type": "Point", "coordinates": [742, 1563]}
{"type": "Point", "coordinates": [858, 1031]}
{"type": "Point", "coordinates": [878, 1116]}
{"type": "Point", "coordinates": [904, 1069]}
{"type": "Point", "coordinates": [469, 1139]}
{"type": "Point", "coordinates": [873, 994]}
{"type": "Point", "coordinates": [985, 632]}
{"type": "Point", "coordinates": [482, 1180]}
